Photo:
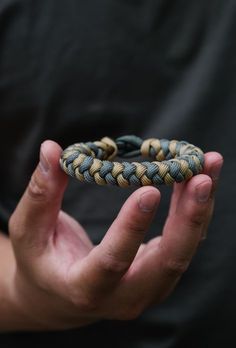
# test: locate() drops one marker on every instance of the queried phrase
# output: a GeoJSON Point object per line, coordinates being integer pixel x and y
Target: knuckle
{"type": "Point", "coordinates": [130, 313]}
{"type": "Point", "coordinates": [135, 227]}
{"type": "Point", "coordinates": [85, 299]}
{"type": "Point", "coordinates": [196, 219]}
{"type": "Point", "coordinates": [110, 264]}
{"type": "Point", "coordinates": [12, 224]}
{"type": "Point", "coordinates": [37, 188]}
{"type": "Point", "coordinates": [86, 303]}
{"type": "Point", "coordinates": [175, 268]}
{"type": "Point", "coordinates": [16, 232]}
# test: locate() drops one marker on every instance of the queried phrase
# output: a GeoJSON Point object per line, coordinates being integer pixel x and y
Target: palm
{"type": "Point", "coordinates": [68, 244]}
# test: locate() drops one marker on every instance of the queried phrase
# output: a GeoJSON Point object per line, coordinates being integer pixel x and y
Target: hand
{"type": "Point", "coordinates": [61, 280]}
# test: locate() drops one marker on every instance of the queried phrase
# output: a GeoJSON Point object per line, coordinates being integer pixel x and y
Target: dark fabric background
{"type": "Point", "coordinates": [79, 70]}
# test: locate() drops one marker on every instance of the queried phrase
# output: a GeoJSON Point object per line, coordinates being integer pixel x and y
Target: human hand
{"type": "Point", "coordinates": [61, 280]}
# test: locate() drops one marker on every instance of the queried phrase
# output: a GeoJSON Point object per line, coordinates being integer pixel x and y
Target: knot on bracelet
{"type": "Point", "coordinates": [174, 161]}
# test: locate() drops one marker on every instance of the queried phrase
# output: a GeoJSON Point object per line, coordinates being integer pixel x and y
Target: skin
{"type": "Point", "coordinates": [53, 278]}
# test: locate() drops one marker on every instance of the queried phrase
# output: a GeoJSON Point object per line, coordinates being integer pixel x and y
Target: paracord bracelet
{"type": "Point", "coordinates": [174, 161]}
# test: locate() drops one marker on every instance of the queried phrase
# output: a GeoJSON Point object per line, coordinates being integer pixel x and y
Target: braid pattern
{"type": "Point", "coordinates": [174, 161]}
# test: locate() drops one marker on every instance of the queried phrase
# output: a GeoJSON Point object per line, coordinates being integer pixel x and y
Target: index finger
{"type": "Point", "coordinates": [108, 262]}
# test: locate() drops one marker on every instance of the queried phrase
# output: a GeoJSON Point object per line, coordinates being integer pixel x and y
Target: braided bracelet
{"type": "Point", "coordinates": [174, 161]}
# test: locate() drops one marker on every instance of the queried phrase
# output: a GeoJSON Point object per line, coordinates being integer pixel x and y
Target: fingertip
{"type": "Point", "coordinates": [140, 206]}
{"type": "Point", "coordinates": [197, 179]}
{"type": "Point", "coordinates": [148, 199]}
{"type": "Point", "coordinates": [50, 153]}
{"type": "Point", "coordinates": [214, 156]}
{"type": "Point", "coordinates": [203, 191]}
{"type": "Point", "coordinates": [199, 188]}
{"type": "Point", "coordinates": [48, 180]}
{"type": "Point", "coordinates": [50, 143]}
{"type": "Point", "coordinates": [145, 189]}
{"type": "Point", "coordinates": [213, 164]}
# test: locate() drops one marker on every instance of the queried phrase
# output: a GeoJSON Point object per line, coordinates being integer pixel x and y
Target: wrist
{"type": "Point", "coordinates": [13, 316]}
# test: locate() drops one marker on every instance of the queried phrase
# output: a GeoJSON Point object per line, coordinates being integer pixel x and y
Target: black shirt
{"type": "Point", "coordinates": [76, 71]}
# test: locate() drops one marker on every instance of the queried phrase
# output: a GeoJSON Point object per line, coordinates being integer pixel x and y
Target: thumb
{"type": "Point", "coordinates": [36, 214]}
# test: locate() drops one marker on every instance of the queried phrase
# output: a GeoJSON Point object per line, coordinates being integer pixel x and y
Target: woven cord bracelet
{"type": "Point", "coordinates": [173, 161]}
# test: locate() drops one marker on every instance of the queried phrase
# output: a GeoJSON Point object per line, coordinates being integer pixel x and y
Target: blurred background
{"type": "Point", "coordinates": [76, 71]}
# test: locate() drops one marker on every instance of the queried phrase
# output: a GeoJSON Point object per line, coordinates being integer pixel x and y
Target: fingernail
{"type": "Point", "coordinates": [43, 163]}
{"type": "Point", "coordinates": [148, 201]}
{"type": "Point", "coordinates": [203, 192]}
{"type": "Point", "coordinates": [215, 171]}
